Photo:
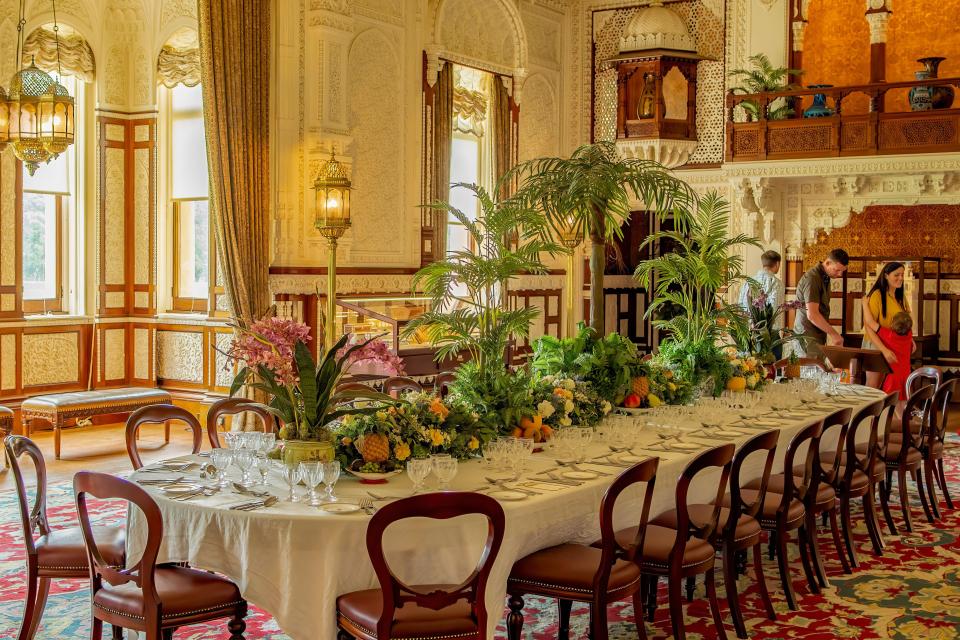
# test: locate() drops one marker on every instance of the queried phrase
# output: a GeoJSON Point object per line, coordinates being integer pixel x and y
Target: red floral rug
{"type": "Point", "coordinates": [913, 591]}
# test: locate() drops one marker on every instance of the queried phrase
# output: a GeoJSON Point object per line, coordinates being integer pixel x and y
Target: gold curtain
{"type": "Point", "coordinates": [504, 143]}
{"type": "Point", "coordinates": [76, 56]}
{"type": "Point", "coordinates": [178, 66]}
{"type": "Point", "coordinates": [235, 71]}
{"type": "Point", "coordinates": [442, 140]}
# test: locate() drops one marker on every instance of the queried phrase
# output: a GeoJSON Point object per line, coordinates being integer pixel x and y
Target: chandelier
{"type": "Point", "coordinates": [37, 112]}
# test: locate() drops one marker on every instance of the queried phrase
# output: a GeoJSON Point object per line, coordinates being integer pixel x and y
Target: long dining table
{"type": "Point", "coordinates": [293, 560]}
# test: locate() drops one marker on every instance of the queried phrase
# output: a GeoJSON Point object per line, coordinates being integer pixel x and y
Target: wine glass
{"type": "Point", "coordinates": [291, 475]}
{"type": "Point", "coordinates": [264, 464]}
{"type": "Point", "coordinates": [331, 473]}
{"type": "Point", "coordinates": [312, 474]}
{"type": "Point", "coordinates": [244, 459]}
{"type": "Point", "coordinates": [221, 459]}
{"type": "Point", "coordinates": [445, 467]}
{"type": "Point", "coordinates": [418, 469]}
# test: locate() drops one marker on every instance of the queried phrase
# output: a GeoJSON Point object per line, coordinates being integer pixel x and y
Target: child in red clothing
{"type": "Point", "coordinates": [899, 339]}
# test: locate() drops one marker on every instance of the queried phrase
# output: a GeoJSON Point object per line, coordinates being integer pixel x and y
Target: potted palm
{"type": "Point", "coordinates": [591, 194]}
{"type": "Point", "coordinates": [763, 77]}
{"type": "Point", "coordinates": [470, 310]}
{"type": "Point", "coordinates": [302, 393]}
{"type": "Point", "coordinates": [689, 280]}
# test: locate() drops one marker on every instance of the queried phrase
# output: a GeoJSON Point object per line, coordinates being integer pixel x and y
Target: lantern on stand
{"type": "Point", "coordinates": [332, 220]}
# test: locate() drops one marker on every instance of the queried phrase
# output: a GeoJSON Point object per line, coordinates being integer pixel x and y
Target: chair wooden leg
{"type": "Point", "coordinates": [730, 586]}
{"type": "Point", "coordinates": [691, 587]}
{"type": "Point", "coordinates": [237, 625]}
{"type": "Point", "coordinates": [117, 632]}
{"type": "Point", "coordinates": [96, 629]}
{"type": "Point", "coordinates": [652, 588]}
{"type": "Point", "coordinates": [168, 634]}
{"type": "Point", "coordinates": [598, 620]}
{"type": "Point", "coordinates": [638, 610]}
{"type": "Point", "coordinates": [873, 527]}
{"type": "Point", "coordinates": [762, 581]}
{"type": "Point", "coordinates": [711, 584]}
{"type": "Point", "coordinates": [942, 479]}
{"type": "Point", "coordinates": [563, 632]}
{"type": "Point", "coordinates": [837, 542]}
{"type": "Point", "coordinates": [515, 618]}
{"type": "Point", "coordinates": [343, 635]}
{"type": "Point", "coordinates": [848, 530]}
{"type": "Point", "coordinates": [43, 590]}
{"type": "Point", "coordinates": [918, 480]}
{"type": "Point", "coordinates": [166, 431]}
{"type": "Point", "coordinates": [904, 499]}
{"type": "Point", "coordinates": [884, 493]}
{"type": "Point", "coordinates": [784, 566]}
{"type": "Point", "coordinates": [27, 625]}
{"type": "Point", "coordinates": [674, 590]}
{"type": "Point", "coordinates": [803, 544]}
{"type": "Point", "coordinates": [928, 474]}
{"type": "Point", "coordinates": [56, 441]}
{"type": "Point", "coordinates": [815, 555]}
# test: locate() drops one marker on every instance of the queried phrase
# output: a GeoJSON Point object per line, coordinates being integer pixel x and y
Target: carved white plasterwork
{"type": "Point", "coordinates": [180, 355]}
{"type": "Point", "coordinates": [346, 284]}
{"type": "Point", "coordinates": [799, 29]}
{"type": "Point", "coordinates": [114, 354]}
{"type": "Point", "coordinates": [8, 361]}
{"type": "Point", "coordinates": [544, 38]}
{"type": "Point", "coordinates": [669, 153]}
{"type": "Point", "coordinates": [539, 119]}
{"type": "Point", "coordinates": [878, 26]}
{"type": "Point", "coordinates": [50, 358]}
{"type": "Point", "coordinates": [223, 373]}
{"type": "Point", "coordinates": [488, 34]}
{"type": "Point", "coordinates": [172, 9]}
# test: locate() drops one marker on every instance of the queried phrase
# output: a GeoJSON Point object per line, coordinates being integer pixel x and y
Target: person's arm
{"type": "Point", "coordinates": [814, 315]}
{"type": "Point", "coordinates": [872, 336]}
{"type": "Point", "coordinates": [869, 319]}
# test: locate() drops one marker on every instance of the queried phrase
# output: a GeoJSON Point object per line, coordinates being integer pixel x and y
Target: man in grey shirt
{"type": "Point", "coordinates": [813, 319]}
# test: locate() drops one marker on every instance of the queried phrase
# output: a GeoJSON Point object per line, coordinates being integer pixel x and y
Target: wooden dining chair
{"type": "Point", "coordinates": [682, 551]}
{"type": "Point", "coordinates": [153, 599]}
{"type": "Point", "coordinates": [231, 407]}
{"type": "Point", "coordinates": [159, 414]}
{"type": "Point", "coordinates": [902, 455]}
{"type": "Point", "coordinates": [737, 527]}
{"type": "Point", "coordinates": [922, 376]}
{"type": "Point", "coordinates": [783, 509]}
{"type": "Point", "coordinates": [604, 572]}
{"type": "Point", "coordinates": [354, 386]}
{"type": "Point", "coordinates": [56, 553]}
{"type": "Point", "coordinates": [779, 365]}
{"type": "Point", "coordinates": [427, 612]}
{"type": "Point", "coordinates": [398, 385]}
{"type": "Point", "coordinates": [443, 382]}
{"type": "Point", "coordinates": [933, 446]}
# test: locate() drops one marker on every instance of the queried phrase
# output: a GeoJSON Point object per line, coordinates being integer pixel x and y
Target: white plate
{"type": "Point", "coordinates": [176, 464]}
{"type": "Point", "coordinates": [179, 488]}
{"type": "Point", "coordinates": [728, 434]}
{"type": "Point", "coordinates": [686, 446]}
{"type": "Point", "coordinates": [580, 475]}
{"type": "Point", "coordinates": [507, 495]}
{"type": "Point", "coordinates": [374, 477]}
{"type": "Point", "coordinates": [628, 458]}
{"type": "Point", "coordinates": [340, 508]}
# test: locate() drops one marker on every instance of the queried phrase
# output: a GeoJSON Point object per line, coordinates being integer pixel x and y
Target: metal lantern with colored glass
{"type": "Point", "coordinates": [332, 221]}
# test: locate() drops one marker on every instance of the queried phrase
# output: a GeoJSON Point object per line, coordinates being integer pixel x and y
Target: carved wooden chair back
{"type": "Point", "coordinates": [766, 441]}
{"type": "Point", "coordinates": [159, 414]}
{"type": "Point", "coordinates": [33, 517]}
{"type": "Point", "coordinates": [719, 457]}
{"type": "Point", "coordinates": [232, 407]}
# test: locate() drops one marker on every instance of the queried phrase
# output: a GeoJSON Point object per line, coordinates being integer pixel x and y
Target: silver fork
{"type": "Point", "coordinates": [367, 505]}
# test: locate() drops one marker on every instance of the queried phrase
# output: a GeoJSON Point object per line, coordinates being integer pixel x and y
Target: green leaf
{"type": "Point", "coordinates": [239, 380]}
{"type": "Point", "coordinates": [306, 370]}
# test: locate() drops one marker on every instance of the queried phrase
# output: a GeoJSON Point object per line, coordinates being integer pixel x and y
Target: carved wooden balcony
{"type": "Point", "coordinates": [874, 133]}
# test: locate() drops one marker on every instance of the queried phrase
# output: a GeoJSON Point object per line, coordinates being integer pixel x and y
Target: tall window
{"type": "Point", "coordinates": [46, 206]}
{"type": "Point", "coordinates": [469, 156]}
{"type": "Point", "coordinates": [189, 190]}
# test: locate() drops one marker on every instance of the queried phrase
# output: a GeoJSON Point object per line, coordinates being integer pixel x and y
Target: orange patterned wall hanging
{"type": "Point", "coordinates": [885, 230]}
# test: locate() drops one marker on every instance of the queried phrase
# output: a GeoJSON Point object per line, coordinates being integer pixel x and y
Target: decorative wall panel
{"type": "Point", "coordinates": [114, 299]}
{"type": "Point", "coordinates": [142, 207]}
{"type": "Point", "coordinates": [50, 358]}
{"type": "Point", "coordinates": [114, 354]}
{"type": "Point", "coordinates": [141, 353]}
{"type": "Point", "coordinates": [180, 356]}
{"type": "Point", "coordinates": [114, 223]}
{"type": "Point", "coordinates": [8, 361]}
{"type": "Point", "coordinates": [539, 119]}
{"type": "Point", "coordinates": [223, 372]}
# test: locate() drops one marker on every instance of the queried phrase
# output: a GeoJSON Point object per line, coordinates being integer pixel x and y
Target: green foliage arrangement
{"type": "Point", "coordinates": [502, 398]}
{"type": "Point", "coordinates": [762, 77]}
{"type": "Point", "coordinates": [589, 196]}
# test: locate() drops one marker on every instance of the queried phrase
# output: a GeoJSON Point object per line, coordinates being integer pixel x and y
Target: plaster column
{"type": "Point", "coordinates": [798, 27]}
{"type": "Point", "coordinates": [878, 14]}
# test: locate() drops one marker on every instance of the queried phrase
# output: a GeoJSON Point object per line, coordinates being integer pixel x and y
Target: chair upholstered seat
{"type": "Point", "coordinates": [62, 550]}
{"type": "Point", "coordinates": [658, 541]}
{"type": "Point", "coordinates": [570, 567]}
{"type": "Point", "coordinates": [185, 593]}
{"type": "Point", "coordinates": [768, 510]}
{"type": "Point", "coordinates": [747, 526]}
{"type": "Point", "coordinates": [891, 453]}
{"type": "Point", "coordinates": [363, 609]}
{"type": "Point", "coordinates": [825, 493]}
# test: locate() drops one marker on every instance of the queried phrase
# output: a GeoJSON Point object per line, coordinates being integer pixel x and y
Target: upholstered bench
{"type": "Point", "coordinates": [6, 428]}
{"type": "Point", "coordinates": [58, 408]}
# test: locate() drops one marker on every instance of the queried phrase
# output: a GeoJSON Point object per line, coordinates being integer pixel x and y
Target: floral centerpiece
{"type": "Point", "coordinates": [761, 337]}
{"type": "Point", "coordinates": [371, 354]}
{"type": "Point", "coordinates": [562, 402]}
{"type": "Point", "coordinates": [276, 361]}
{"type": "Point", "coordinates": [382, 440]}
{"type": "Point", "coordinates": [746, 371]}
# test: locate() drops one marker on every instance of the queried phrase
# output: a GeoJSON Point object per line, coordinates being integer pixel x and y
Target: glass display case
{"type": "Point", "coordinates": [369, 317]}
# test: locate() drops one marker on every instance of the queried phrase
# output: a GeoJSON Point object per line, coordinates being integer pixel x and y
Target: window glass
{"type": "Point", "coordinates": [189, 147]}
{"type": "Point", "coordinates": [39, 246]}
{"type": "Point", "coordinates": [465, 168]}
{"type": "Point", "coordinates": [193, 269]}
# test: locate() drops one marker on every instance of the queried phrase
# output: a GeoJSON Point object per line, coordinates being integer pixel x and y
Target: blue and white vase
{"type": "Point", "coordinates": [920, 96]}
{"type": "Point", "coordinates": [819, 108]}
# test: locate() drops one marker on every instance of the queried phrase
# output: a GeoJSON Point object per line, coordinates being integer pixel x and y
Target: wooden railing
{"type": "Point", "coordinates": [841, 134]}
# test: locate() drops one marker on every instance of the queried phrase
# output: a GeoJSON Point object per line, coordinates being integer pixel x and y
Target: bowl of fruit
{"type": "Point", "coordinates": [372, 472]}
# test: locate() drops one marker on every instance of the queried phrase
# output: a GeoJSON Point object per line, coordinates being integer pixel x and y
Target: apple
{"type": "Point", "coordinates": [632, 401]}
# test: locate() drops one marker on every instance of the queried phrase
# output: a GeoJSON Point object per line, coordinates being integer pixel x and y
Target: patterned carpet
{"type": "Point", "coordinates": [912, 592]}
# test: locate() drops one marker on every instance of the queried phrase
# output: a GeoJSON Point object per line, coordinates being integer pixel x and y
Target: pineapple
{"type": "Point", "coordinates": [640, 386]}
{"type": "Point", "coordinates": [374, 447]}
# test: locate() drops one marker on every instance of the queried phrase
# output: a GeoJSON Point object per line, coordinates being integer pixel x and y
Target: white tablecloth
{"type": "Point", "coordinates": [293, 561]}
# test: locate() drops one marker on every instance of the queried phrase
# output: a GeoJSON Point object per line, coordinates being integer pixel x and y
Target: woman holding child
{"type": "Point", "coordinates": [881, 325]}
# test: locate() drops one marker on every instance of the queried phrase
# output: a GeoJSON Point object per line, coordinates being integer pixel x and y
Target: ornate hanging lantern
{"type": "Point", "coordinates": [37, 118]}
{"type": "Point", "coordinates": [333, 199]}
